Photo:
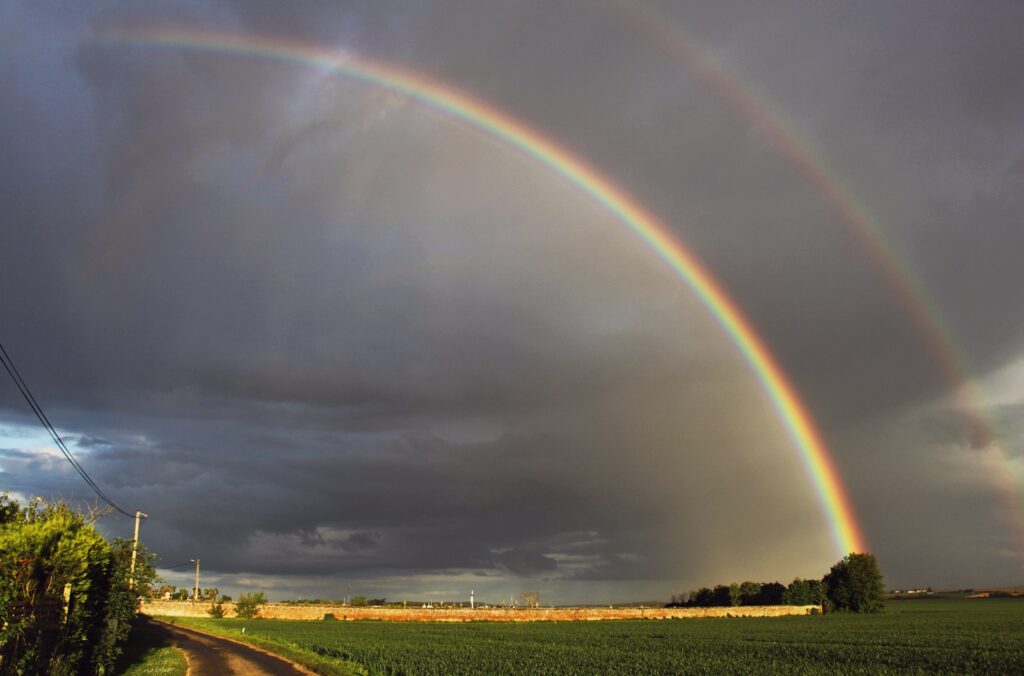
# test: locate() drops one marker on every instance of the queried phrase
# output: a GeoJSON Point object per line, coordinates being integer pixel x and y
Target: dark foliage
{"type": "Point", "coordinates": [855, 584]}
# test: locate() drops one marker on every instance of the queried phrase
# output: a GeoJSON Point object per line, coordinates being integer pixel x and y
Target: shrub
{"type": "Point", "coordinates": [216, 610]}
{"type": "Point", "coordinates": [329, 617]}
{"type": "Point", "coordinates": [65, 601]}
{"type": "Point", "coordinates": [248, 605]}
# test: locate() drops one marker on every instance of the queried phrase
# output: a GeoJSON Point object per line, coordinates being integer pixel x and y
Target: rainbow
{"type": "Point", "coordinates": [923, 313]}
{"type": "Point", "coordinates": [442, 97]}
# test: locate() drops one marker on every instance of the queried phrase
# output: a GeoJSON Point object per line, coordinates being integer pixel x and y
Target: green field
{"type": "Point", "coordinates": [925, 636]}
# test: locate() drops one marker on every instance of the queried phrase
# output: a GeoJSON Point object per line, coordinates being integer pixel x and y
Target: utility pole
{"type": "Point", "coordinates": [195, 597]}
{"type": "Point", "coordinates": [135, 548]}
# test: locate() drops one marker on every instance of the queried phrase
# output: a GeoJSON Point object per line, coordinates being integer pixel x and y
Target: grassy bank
{"type": "Point", "coordinates": [146, 654]}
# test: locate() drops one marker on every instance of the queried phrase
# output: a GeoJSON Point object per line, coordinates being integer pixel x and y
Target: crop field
{"type": "Point", "coordinates": [922, 636]}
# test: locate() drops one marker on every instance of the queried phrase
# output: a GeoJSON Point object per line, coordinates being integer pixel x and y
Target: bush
{"type": "Point", "coordinates": [855, 584]}
{"type": "Point", "coordinates": [216, 610]}
{"type": "Point", "coordinates": [329, 617]}
{"type": "Point", "coordinates": [65, 601]}
{"type": "Point", "coordinates": [248, 605]}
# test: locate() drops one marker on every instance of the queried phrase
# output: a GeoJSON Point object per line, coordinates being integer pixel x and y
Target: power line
{"type": "Point", "coordinates": [26, 393]}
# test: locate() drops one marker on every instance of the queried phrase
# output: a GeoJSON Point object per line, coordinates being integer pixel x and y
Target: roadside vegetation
{"type": "Point", "coordinates": [147, 654]}
{"type": "Point", "coordinates": [66, 605]}
{"type": "Point", "coordinates": [925, 636]}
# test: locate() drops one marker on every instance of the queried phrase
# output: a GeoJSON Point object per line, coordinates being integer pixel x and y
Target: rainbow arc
{"type": "Point", "coordinates": [922, 312]}
{"type": "Point", "coordinates": [582, 176]}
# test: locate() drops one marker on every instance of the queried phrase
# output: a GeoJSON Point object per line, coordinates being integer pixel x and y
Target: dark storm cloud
{"type": "Point", "coordinates": [316, 330]}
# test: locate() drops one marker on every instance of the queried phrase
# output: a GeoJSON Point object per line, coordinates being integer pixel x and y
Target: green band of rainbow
{"type": "Point", "coordinates": [813, 452]}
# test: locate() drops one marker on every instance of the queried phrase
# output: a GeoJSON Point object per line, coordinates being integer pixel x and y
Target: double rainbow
{"type": "Point", "coordinates": [910, 292]}
{"type": "Point", "coordinates": [814, 454]}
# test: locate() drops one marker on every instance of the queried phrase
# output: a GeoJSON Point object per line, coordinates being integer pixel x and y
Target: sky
{"type": "Point", "coordinates": [336, 341]}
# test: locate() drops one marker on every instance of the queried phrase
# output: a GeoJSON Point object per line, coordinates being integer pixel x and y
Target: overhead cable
{"type": "Point", "coordinates": [26, 393]}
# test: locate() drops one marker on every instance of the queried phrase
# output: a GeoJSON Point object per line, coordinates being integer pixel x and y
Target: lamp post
{"type": "Point", "coordinates": [135, 548]}
{"type": "Point", "coordinates": [195, 596]}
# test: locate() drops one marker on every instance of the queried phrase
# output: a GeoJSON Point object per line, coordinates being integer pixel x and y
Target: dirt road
{"type": "Point", "coordinates": [212, 656]}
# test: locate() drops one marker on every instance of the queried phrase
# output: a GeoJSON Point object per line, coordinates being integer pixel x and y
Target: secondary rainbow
{"type": "Point", "coordinates": [821, 469]}
{"type": "Point", "coordinates": [909, 290]}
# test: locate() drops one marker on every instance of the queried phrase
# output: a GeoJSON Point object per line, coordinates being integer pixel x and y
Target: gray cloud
{"type": "Point", "coordinates": [320, 332]}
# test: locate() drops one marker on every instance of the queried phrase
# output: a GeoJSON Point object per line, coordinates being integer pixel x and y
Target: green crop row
{"type": "Point", "coordinates": [934, 636]}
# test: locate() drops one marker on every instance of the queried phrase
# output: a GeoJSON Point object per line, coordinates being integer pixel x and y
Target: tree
{"type": "Point", "coordinates": [248, 605]}
{"type": "Point", "coordinates": [358, 600]}
{"type": "Point", "coordinates": [726, 595]}
{"type": "Point", "coordinates": [855, 584]}
{"type": "Point", "coordinates": [531, 599]}
{"type": "Point", "coordinates": [772, 593]}
{"type": "Point", "coordinates": [750, 594]}
{"type": "Point", "coordinates": [702, 598]}
{"type": "Point", "coordinates": [805, 593]}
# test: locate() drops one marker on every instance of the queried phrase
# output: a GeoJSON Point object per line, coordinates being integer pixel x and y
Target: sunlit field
{"type": "Point", "coordinates": [926, 636]}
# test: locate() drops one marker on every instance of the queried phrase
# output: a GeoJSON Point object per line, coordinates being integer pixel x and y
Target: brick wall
{"type": "Point", "coordinates": [279, 611]}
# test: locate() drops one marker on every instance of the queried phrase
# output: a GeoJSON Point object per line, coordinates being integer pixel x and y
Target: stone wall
{"type": "Point", "coordinates": [280, 611]}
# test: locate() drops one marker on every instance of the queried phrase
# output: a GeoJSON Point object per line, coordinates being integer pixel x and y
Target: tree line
{"type": "Point", "coordinates": [67, 597]}
{"type": "Point", "coordinates": [854, 584]}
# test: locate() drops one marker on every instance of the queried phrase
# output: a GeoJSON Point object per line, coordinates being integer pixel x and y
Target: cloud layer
{"type": "Point", "coordinates": [326, 336]}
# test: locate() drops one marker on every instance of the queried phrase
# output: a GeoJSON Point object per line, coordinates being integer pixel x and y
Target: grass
{"type": "Point", "coordinates": [146, 654]}
{"type": "Point", "coordinates": [927, 636]}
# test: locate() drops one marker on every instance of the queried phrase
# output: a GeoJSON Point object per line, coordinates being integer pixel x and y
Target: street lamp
{"type": "Point", "coordinates": [135, 548]}
{"type": "Point", "coordinates": [195, 597]}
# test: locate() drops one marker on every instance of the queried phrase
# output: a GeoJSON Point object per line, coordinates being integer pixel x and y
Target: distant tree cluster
{"type": "Point", "coordinates": [744, 594]}
{"type": "Point", "coordinates": [853, 584]}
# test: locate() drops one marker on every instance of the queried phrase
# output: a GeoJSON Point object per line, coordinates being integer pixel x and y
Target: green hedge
{"type": "Point", "coordinates": [65, 605]}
